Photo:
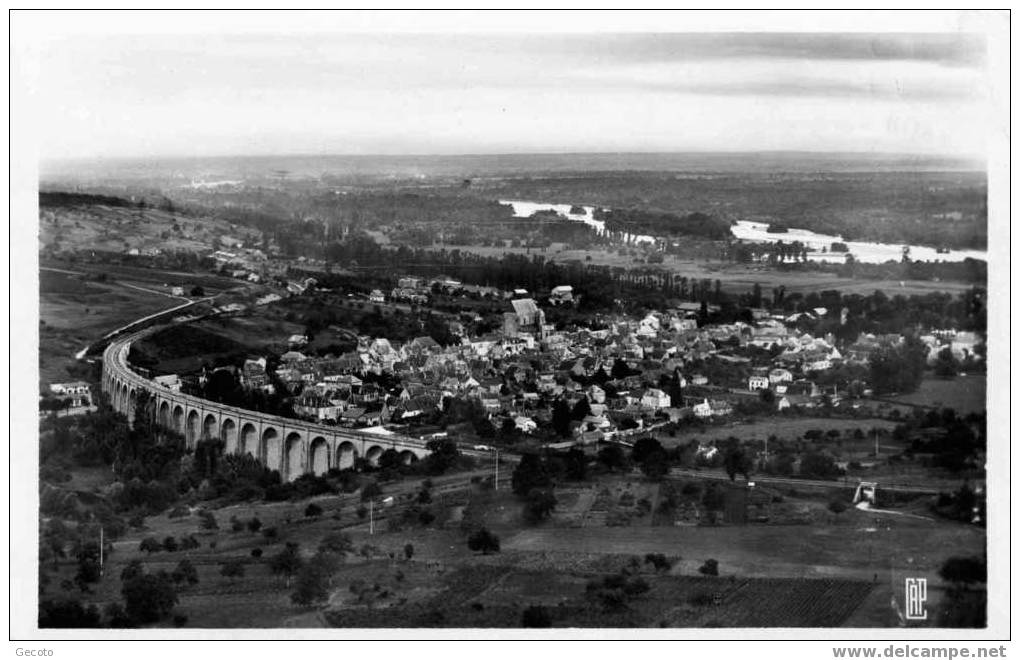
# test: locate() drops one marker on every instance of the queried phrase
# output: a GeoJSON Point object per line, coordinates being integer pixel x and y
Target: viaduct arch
{"type": "Point", "coordinates": [292, 446]}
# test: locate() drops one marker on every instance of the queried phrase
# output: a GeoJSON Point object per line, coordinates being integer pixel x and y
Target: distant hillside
{"type": "Point", "coordinates": [67, 199]}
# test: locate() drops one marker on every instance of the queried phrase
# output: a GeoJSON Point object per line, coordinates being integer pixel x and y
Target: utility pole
{"type": "Point", "coordinates": [875, 432]}
{"type": "Point", "coordinates": [371, 516]}
{"type": "Point", "coordinates": [100, 549]}
{"type": "Point", "coordinates": [495, 482]}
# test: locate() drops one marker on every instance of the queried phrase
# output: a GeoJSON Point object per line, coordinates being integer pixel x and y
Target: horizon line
{"type": "Point", "coordinates": [299, 154]}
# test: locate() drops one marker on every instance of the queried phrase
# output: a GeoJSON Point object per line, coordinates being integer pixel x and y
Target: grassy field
{"type": "Point", "coordinates": [859, 546]}
{"type": "Point", "coordinates": [781, 427]}
{"type": "Point", "coordinates": [77, 307]}
{"type": "Point", "coordinates": [74, 313]}
{"type": "Point", "coordinates": [734, 277]}
{"type": "Point", "coordinates": [119, 229]}
{"type": "Point", "coordinates": [965, 394]}
{"type": "Point", "coordinates": [820, 574]}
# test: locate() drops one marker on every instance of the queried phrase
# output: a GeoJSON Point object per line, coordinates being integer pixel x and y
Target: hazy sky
{"type": "Point", "coordinates": [195, 95]}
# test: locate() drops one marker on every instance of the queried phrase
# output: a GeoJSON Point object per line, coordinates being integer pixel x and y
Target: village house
{"type": "Point", "coordinates": [655, 398]}
{"type": "Point", "coordinates": [170, 381]}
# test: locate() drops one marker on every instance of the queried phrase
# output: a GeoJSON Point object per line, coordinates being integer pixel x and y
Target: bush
{"type": "Point", "coordinates": [369, 491]}
{"type": "Point", "coordinates": [964, 570]}
{"type": "Point", "coordinates": [484, 541]}
{"type": "Point", "coordinates": [659, 561]}
{"type": "Point", "coordinates": [67, 614]}
{"type": "Point", "coordinates": [208, 520]}
{"type": "Point", "coordinates": [313, 510]}
{"type": "Point", "coordinates": [232, 569]}
{"type": "Point", "coordinates": [362, 511]}
{"type": "Point", "coordinates": [170, 544]}
{"type": "Point", "coordinates": [149, 598]}
{"type": "Point", "coordinates": [288, 561]}
{"type": "Point", "coordinates": [539, 505]}
{"type": "Point", "coordinates": [256, 553]}
{"type": "Point", "coordinates": [337, 542]}
{"type": "Point", "coordinates": [254, 525]}
{"type": "Point", "coordinates": [837, 506]}
{"type": "Point", "coordinates": [710, 567]}
{"type": "Point", "coordinates": [150, 545]}
{"type": "Point", "coordinates": [700, 599]}
{"type": "Point", "coordinates": [536, 616]}
{"type": "Point", "coordinates": [185, 572]}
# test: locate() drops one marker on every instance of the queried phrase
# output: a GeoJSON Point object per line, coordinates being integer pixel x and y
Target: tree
{"type": "Point", "coordinates": [170, 544]}
{"type": "Point", "coordinates": [408, 551]}
{"type": "Point", "coordinates": [443, 455]}
{"type": "Point", "coordinates": [288, 561]}
{"type": "Point", "coordinates": [710, 567]}
{"type": "Point", "coordinates": [536, 616]}
{"type": "Point", "coordinates": [208, 520]}
{"type": "Point", "coordinates": [529, 474]}
{"type": "Point", "coordinates": [232, 569]}
{"type": "Point", "coordinates": [612, 457]}
{"type": "Point", "coordinates": [656, 466]}
{"type": "Point", "coordinates": [576, 464]}
{"type": "Point", "coordinates": [132, 570]}
{"type": "Point", "coordinates": [645, 447]}
{"type": "Point", "coordinates": [946, 366]}
{"type": "Point", "coordinates": [313, 510]}
{"type": "Point", "coordinates": [370, 490]}
{"type": "Point", "coordinates": [484, 541]}
{"type": "Point", "coordinates": [659, 562]}
{"type": "Point", "coordinates": [185, 572]}
{"type": "Point", "coordinates": [149, 598]}
{"type": "Point", "coordinates": [819, 466]}
{"type": "Point", "coordinates": [150, 545]}
{"type": "Point", "coordinates": [390, 460]}
{"type": "Point", "coordinates": [962, 606]}
{"type": "Point", "coordinates": [561, 417]}
{"type": "Point", "coordinates": [67, 614]}
{"type": "Point", "coordinates": [254, 525]}
{"type": "Point", "coordinates": [581, 409]}
{"type": "Point", "coordinates": [735, 460]}
{"type": "Point", "coordinates": [337, 543]}
{"type": "Point", "coordinates": [964, 570]}
{"type": "Point", "coordinates": [539, 505]}
{"type": "Point", "coordinates": [311, 586]}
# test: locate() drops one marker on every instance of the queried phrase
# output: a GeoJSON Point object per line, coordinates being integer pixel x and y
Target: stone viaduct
{"type": "Point", "coordinates": [291, 446]}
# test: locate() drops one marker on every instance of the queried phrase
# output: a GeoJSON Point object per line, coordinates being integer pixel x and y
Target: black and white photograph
{"type": "Point", "coordinates": [511, 325]}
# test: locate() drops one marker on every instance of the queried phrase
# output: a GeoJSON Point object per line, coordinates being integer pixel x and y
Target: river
{"type": "Point", "coordinates": [757, 232]}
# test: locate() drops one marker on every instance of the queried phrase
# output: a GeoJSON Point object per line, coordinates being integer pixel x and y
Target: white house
{"type": "Point", "coordinates": [758, 383]}
{"type": "Point", "coordinates": [703, 409]}
{"type": "Point", "coordinates": [171, 381]}
{"type": "Point", "coordinates": [780, 376]}
{"type": "Point", "coordinates": [655, 398]}
{"type": "Point", "coordinates": [562, 294]}
{"type": "Point", "coordinates": [376, 296]}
